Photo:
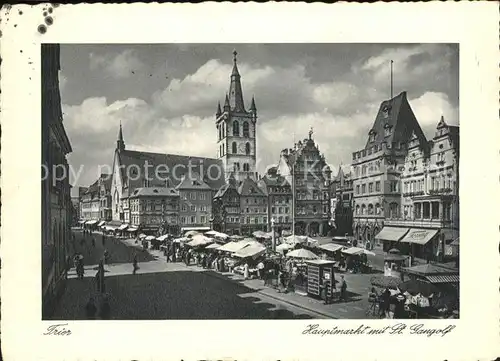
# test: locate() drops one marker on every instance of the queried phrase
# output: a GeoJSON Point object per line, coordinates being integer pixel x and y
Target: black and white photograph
{"type": "Point", "coordinates": [250, 181]}
{"type": "Point", "coordinates": [246, 181]}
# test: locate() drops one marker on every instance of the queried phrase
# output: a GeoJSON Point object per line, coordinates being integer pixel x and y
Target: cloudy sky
{"type": "Point", "coordinates": [166, 95]}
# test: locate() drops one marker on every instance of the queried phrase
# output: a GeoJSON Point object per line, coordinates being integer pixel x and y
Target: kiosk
{"type": "Point", "coordinates": [320, 276]}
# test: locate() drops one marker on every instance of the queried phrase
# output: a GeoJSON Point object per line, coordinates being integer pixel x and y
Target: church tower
{"type": "Point", "coordinates": [236, 131]}
{"type": "Point", "coordinates": [120, 144]}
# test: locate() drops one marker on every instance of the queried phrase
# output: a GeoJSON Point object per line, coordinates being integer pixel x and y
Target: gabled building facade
{"type": "Point", "coordinates": [154, 209]}
{"type": "Point", "coordinates": [376, 169]}
{"type": "Point", "coordinates": [279, 200]}
{"type": "Point", "coordinates": [195, 202]}
{"type": "Point", "coordinates": [341, 203]}
{"type": "Point", "coordinates": [226, 209]}
{"type": "Point", "coordinates": [305, 168]}
{"type": "Point", "coordinates": [430, 198]}
{"type": "Point", "coordinates": [253, 207]}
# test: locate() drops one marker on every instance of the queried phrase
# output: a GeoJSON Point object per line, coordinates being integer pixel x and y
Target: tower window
{"type": "Point", "coordinates": [233, 146]}
{"type": "Point", "coordinates": [246, 129]}
{"type": "Point", "coordinates": [223, 150]}
{"type": "Point", "coordinates": [237, 166]}
{"type": "Point", "coordinates": [247, 148]}
{"type": "Point", "coordinates": [246, 167]}
{"type": "Point", "coordinates": [236, 128]}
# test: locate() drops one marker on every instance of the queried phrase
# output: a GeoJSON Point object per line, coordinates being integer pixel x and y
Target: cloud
{"type": "Point", "coordinates": [180, 118]}
{"type": "Point", "coordinates": [118, 66]}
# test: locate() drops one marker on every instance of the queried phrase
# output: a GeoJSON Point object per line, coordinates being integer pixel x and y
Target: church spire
{"type": "Point", "coordinates": [219, 111]}
{"type": "Point", "coordinates": [226, 103]}
{"type": "Point", "coordinates": [235, 92]}
{"type": "Point", "coordinates": [253, 108]}
{"type": "Point", "coordinates": [120, 144]}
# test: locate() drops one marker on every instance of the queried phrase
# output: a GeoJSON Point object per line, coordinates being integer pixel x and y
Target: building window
{"type": "Point", "coordinates": [377, 186]}
{"type": "Point", "coordinates": [370, 209]}
{"type": "Point", "coordinates": [183, 220]}
{"type": "Point", "coordinates": [193, 219]}
{"type": "Point", "coordinates": [363, 209]}
{"type": "Point", "coordinates": [363, 189]}
{"type": "Point", "coordinates": [247, 148]}
{"type": "Point", "coordinates": [370, 187]}
{"type": "Point", "coordinates": [193, 208]}
{"type": "Point", "coordinates": [233, 146]}
{"type": "Point", "coordinates": [393, 210]}
{"type": "Point", "coordinates": [246, 129]}
{"type": "Point", "coordinates": [246, 167]}
{"type": "Point", "coordinates": [203, 219]}
{"type": "Point", "coordinates": [236, 128]}
{"type": "Point", "coordinates": [357, 189]}
{"type": "Point", "coordinates": [237, 166]}
{"type": "Point", "coordinates": [377, 209]}
{"type": "Point", "coordinates": [193, 195]}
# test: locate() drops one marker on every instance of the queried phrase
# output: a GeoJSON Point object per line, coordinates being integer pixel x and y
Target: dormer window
{"type": "Point", "coordinates": [387, 129]}
{"type": "Point", "coordinates": [386, 111]}
{"type": "Point", "coordinates": [371, 135]}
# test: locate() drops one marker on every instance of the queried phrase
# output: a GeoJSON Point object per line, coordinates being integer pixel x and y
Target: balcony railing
{"type": "Point", "coordinates": [441, 191]}
{"type": "Point", "coordinates": [413, 194]}
{"type": "Point", "coordinates": [424, 223]}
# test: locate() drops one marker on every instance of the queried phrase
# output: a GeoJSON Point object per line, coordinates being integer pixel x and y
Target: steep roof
{"type": "Point", "coordinates": [235, 92]}
{"type": "Point", "coordinates": [249, 188]}
{"type": "Point", "coordinates": [174, 167]}
{"type": "Point", "coordinates": [396, 114]}
{"type": "Point", "coordinates": [193, 182]}
{"type": "Point", "coordinates": [225, 189]}
{"type": "Point", "coordinates": [274, 181]}
{"type": "Point", "coordinates": [154, 191]}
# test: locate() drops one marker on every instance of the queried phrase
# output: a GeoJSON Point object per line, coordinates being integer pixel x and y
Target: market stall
{"type": "Point", "coordinates": [394, 261]}
{"type": "Point", "coordinates": [357, 260]}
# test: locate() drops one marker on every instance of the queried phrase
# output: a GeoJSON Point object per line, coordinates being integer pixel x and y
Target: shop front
{"type": "Point", "coordinates": [421, 243]}
{"type": "Point", "coordinates": [390, 236]}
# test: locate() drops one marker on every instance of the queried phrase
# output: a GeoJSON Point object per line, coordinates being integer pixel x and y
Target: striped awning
{"type": "Point", "coordinates": [443, 278]}
{"type": "Point", "coordinates": [391, 233]}
{"type": "Point", "coordinates": [101, 223]}
{"type": "Point", "coordinates": [419, 236]}
{"type": "Point", "coordinates": [122, 227]}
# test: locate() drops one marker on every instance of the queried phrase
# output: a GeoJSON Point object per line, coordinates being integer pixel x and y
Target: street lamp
{"type": "Point", "coordinates": [273, 244]}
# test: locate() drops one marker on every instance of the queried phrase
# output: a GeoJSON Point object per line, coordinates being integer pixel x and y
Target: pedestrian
{"type": "Point", "coordinates": [103, 240]}
{"type": "Point", "coordinates": [93, 242]}
{"type": "Point", "coordinates": [343, 288]}
{"type": "Point", "coordinates": [134, 263]}
{"type": "Point", "coordinates": [246, 271]}
{"type": "Point", "coordinates": [105, 309]}
{"type": "Point", "coordinates": [90, 309]}
{"type": "Point", "coordinates": [260, 270]}
{"type": "Point", "coordinates": [106, 256]}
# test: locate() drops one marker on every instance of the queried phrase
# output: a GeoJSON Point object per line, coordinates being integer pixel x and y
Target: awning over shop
{"type": "Point", "coordinates": [213, 246]}
{"type": "Point", "coordinates": [250, 251]}
{"type": "Point", "coordinates": [419, 236]}
{"type": "Point", "coordinates": [201, 229]}
{"type": "Point", "coordinates": [91, 222]}
{"type": "Point", "coordinates": [82, 221]}
{"type": "Point", "coordinates": [354, 251]}
{"type": "Point", "coordinates": [331, 247]}
{"type": "Point", "coordinates": [101, 223]}
{"type": "Point", "coordinates": [392, 233]}
{"type": "Point", "coordinates": [122, 227]}
{"type": "Point", "coordinates": [443, 278]}
{"type": "Point", "coordinates": [132, 229]}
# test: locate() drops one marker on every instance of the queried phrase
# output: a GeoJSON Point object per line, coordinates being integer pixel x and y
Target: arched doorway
{"type": "Point", "coordinates": [314, 229]}
{"type": "Point", "coordinates": [300, 228]}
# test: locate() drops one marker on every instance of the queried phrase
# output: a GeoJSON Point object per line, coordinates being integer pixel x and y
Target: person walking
{"type": "Point", "coordinates": [260, 270]}
{"type": "Point", "coordinates": [135, 265]}
{"type": "Point", "coordinates": [93, 242]}
{"type": "Point", "coordinates": [106, 256]}
{"type": "Point", "coordinates": [343, 288]}
{"type": "Point", "coordinates": [246, 272]}
{"type": "Point", "coordinates": [90, 309]}
{"type": "Point", "coordinates": [103, 240]}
